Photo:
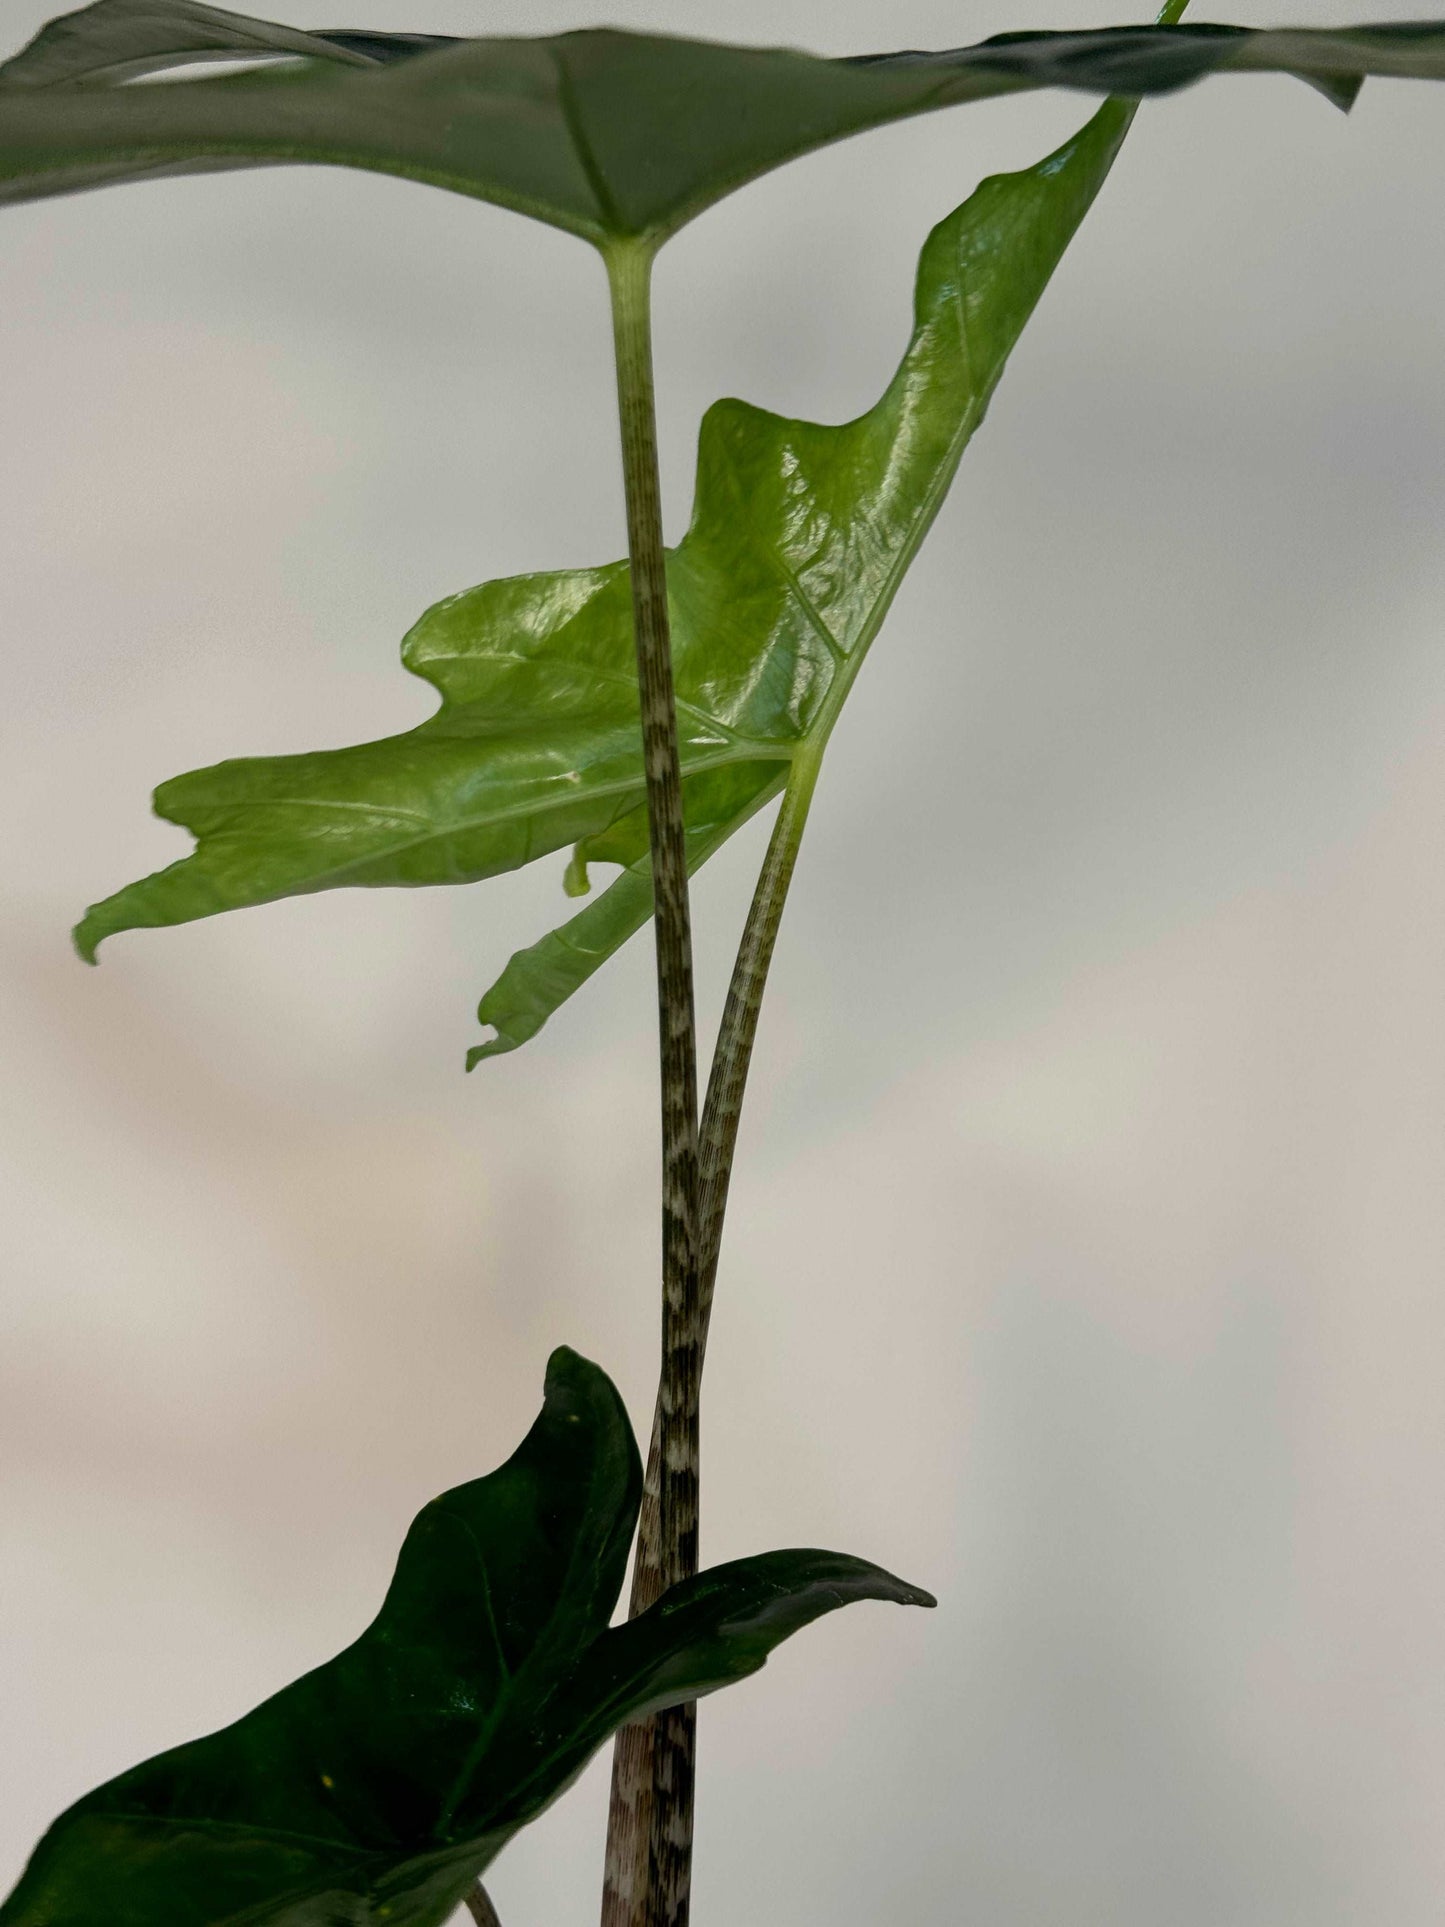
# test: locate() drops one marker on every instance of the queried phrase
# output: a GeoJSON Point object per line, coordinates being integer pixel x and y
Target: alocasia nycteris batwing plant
{"type": "Point", "coordinates": [379, 1786]}
{"type": "Point", "coordinates": [801, 532]}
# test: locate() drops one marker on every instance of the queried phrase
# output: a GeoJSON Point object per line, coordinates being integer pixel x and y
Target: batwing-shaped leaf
{"type": "Point", "coordinates": [602, 133]}
{"type": "Point", "coordinates": [800, 536]}
{"type": "Point", "coordinates": [375, 1789]}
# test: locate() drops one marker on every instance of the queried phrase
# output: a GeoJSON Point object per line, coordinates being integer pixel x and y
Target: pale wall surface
{"type": "Point", "coordinates": [1086, 1261]}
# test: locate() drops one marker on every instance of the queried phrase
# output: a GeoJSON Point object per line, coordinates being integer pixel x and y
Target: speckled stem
{"type": "Point", "coordinates": [479, 1906]}
{"type": "Point", "coordinates": [733, 1055]}
{"type": "Point", "coordinates": [649, 1842]}
{"type": "Point", "coordinates": [630, 1857]}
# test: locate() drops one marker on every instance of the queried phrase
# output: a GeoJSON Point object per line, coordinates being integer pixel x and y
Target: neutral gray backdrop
{"type": "Point", "coordinates": [1086, 1252]}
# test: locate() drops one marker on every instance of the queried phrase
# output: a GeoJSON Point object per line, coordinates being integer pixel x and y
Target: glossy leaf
{"type": "Point", "coordinates": [540, 979]}
{"type": "Point", "coordinates": [603, 133]}
{"type": "Point", "coordinates": [800, 536]}
{"type": "Point", "coordinates": [375, 1789]}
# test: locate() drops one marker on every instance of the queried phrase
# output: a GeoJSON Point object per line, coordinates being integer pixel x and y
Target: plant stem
{"type": "Point", "coordinates": [479, 1906]}
{"type": "Point", "coordinates": [722, 1112]}
{"type": "Point", "coordinates": [732, 1057]}
{"type": "Point", "coordinates": [649, 1849]}
{"type": "Point", "coordinates": [653, 1759]}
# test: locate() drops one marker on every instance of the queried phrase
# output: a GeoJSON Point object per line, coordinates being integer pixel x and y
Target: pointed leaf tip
{"type": "Point", "coordinates": [722, 1626]}
{"type": "Point", "coordinates": [572, 1380]}
{"type": "Point", "coordinates": [1343, 90]}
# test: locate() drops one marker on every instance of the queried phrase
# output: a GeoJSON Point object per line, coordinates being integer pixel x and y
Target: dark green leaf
{"type": "Point", "coordinates": [375, 1789]}
{"type": "Point", "coordinates": [800, 537]}
{"type": "Point", "coordinates": [603, 133]}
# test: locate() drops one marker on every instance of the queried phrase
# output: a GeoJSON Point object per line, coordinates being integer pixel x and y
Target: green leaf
{"type": "Point", "coordinates": [603, 133]}
{"type": "Point", "coordinates": [119, 40]}
{"type": "Point", "coordinates": [375, 1789]}
{"type": "Point", "coordinates": [539, 979]}
{"type": "Point", "coordinates": [800, 537]}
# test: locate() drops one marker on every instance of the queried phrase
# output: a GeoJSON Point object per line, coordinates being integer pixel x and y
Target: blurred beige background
{"type": "Point", "coordinates": [1086, 1253]}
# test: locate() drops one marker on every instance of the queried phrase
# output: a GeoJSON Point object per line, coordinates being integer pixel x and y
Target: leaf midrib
{"type": "Point", "coordinates": [586, 1549]}
{"type": "Point", "coordinates": [317, 880]}
{"type": "Point", "coordinates": [609, 214]}
{"type": "Point", "coordinates": [210, 1823]}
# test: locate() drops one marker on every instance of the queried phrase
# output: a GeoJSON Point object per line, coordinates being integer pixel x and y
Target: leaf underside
{"type": "Point", "coordinates": [373, 1791]}
{"type": "Point", "coordinates": [603, 133]}
{"type": "Point", "coordinates": [800, 536]}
